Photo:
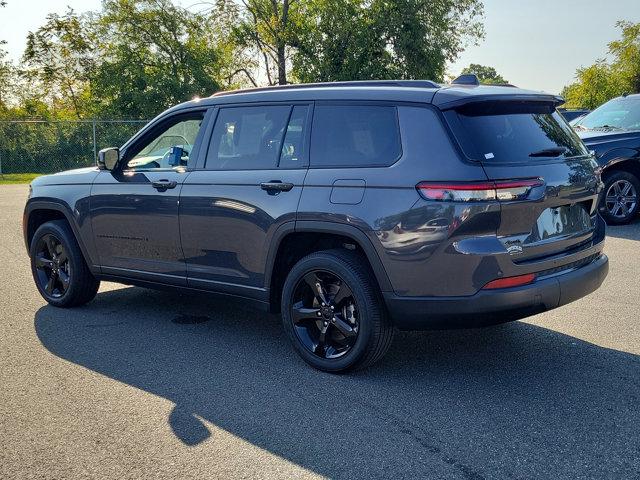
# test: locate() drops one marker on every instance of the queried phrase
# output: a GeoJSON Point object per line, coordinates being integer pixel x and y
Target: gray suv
{"type": "Point", "coordinates": [352, 208]}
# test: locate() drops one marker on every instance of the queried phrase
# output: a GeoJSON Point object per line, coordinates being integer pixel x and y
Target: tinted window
{"type": "Point", "coordinates": [517, 132]}
{"type": "Point", "coordinates": [170, 147]}
{"type": "Point", "coordinates": [247, 138]}
{"type": "Point", "coordinates": [504, 132]}
{"type": "Point", "coordinates": [293, 153]}
{"type": "Point", "coordinates": [355, 135]}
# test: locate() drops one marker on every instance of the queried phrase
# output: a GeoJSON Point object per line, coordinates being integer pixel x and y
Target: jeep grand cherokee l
{"type": "Point", "coordinates": [351, 208]}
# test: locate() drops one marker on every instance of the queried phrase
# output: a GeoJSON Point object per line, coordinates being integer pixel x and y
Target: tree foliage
{"type": "Point", "coordinates": [604, 79]}
{"type": "Point", "coordinates": [135, 58]}
{"type": "Point", "coordinates": [486, 75]}
{"type": "Point", "coordinates": [59, 58]}
{"type": "Point", "coordinates": [408, 39]}
{"type": "Point", "coordinates": [157, 53]}
{"type": "Point", "coordinates": [268, 28]}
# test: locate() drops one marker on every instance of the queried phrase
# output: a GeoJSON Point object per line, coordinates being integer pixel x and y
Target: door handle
{"type": "Point", "coordinates": [163, 185]}
{"type": "Point", "coordinates": [276, 186]}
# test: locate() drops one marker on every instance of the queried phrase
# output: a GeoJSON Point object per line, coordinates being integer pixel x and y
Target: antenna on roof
{"type": "Point", "coordinates": [467, 79]}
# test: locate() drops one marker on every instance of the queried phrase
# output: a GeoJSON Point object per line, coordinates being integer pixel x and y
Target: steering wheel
{"type": "Point", "coordinates": [167, 154]}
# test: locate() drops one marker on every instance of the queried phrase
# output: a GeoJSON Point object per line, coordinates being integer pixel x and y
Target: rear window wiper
{"type": "Point", "coordinates": [550, 152]}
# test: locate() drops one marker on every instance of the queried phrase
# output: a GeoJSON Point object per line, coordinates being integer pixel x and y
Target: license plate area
{"type": "Point", "coordinates": [561, 221]}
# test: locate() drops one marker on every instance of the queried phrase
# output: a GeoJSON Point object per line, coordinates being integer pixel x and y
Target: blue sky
{"type": "Point", "coordinates": [533, 44]}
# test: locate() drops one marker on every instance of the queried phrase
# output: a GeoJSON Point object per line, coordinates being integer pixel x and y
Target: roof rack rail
{"type": "Point", "coordinates": [356, 83]}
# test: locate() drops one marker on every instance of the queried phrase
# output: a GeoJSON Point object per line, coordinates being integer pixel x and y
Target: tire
{"type": "Point", "coordinates": [357, 330]}
{"type": "Point", "coordinates": [616, 207]}
{"type": "Point", "coordinates": [58, 267]}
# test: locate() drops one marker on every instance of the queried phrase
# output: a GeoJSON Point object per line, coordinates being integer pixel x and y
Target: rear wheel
{"type": "Point", "coordinates": [332, 312]}
{"type": "Point", "coordinates": [622, 198]}
{"type": "Point", "coordinates": [58, 267]}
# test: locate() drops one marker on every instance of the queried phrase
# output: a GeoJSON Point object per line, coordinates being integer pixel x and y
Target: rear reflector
{"type": "Point", "coordinates": [510, 281]}
{"type": "Point", "coordinates": [502, 190]}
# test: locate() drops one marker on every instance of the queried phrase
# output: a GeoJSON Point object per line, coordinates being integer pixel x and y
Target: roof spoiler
{"type": "Point", "coordinates": [554, 100]}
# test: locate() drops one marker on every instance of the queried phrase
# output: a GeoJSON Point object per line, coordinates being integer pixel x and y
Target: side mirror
{"type": "Point", "coordinates": [108, 158]}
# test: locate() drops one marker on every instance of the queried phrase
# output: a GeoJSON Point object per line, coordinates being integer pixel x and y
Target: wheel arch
{"type": "Point", "coordinates": [292, 242]}
{"type": "Point", "coordinates": [624, 164]}
{"type": "Point", "coordinates": [39, 212]}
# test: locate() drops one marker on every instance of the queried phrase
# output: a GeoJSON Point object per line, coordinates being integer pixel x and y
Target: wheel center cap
{"type": "Point", "coordinates": [326, 312]}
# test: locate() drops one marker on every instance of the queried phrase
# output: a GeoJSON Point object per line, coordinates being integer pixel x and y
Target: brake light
{"type": "Point", "coordinates": [501, 190]}
{"type": "Point", "coordinates": [508, 282]}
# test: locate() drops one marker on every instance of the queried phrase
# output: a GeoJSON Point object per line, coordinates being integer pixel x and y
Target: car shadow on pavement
{"type": "Point", "coordinates": [515, 400]}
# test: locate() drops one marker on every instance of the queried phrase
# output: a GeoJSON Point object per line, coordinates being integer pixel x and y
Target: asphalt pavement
{"type": "Point", "coordinates": [145, 384]}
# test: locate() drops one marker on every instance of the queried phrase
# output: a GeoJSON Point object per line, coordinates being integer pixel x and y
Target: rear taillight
{"type": "Point", "coordinates": [508, 282]}
{"type": "Point", "coordinates": [501, 190]}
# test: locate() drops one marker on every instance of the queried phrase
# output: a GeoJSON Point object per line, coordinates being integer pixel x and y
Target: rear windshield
{"type": "Point", "coordinates": [503, 132]}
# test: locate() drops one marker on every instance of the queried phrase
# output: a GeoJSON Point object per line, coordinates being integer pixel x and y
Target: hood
{"type": "Point", "coordinates": [608, 145]}
{"type": "Point", "coordinates": [75, 176]}
{"type": "Point", "coordinates": [600, 136]}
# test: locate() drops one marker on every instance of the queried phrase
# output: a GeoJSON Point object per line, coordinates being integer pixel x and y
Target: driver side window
{"type": "Point", "coordinates": [170, 147]}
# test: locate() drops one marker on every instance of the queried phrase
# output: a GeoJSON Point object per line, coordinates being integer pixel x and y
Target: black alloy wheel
{"type": "Point", "coordinates": [52, 266]}
{"type": "Point", "coordinates": [324, 314]}
{"type": "Point", "coordinates": [333, 312]}
{"type": "Point", "coordinates": [59, 268]}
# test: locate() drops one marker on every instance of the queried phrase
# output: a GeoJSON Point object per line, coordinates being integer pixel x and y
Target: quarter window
{"type": "Point", "coordinates": [355, 136]}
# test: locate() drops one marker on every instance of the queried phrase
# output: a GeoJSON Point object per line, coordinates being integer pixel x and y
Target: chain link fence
{"type": "Point", "coordinates": [39, 146]}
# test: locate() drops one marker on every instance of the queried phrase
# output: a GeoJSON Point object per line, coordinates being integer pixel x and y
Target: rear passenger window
{"type": "Point", "coordinates": [247, 138]}
{"type": "Point", "coordinates": [293, 150]}
{"type": "Point", "coordinates": [355, 136]}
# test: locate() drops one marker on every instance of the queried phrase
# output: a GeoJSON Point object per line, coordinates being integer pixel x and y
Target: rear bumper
{"type": "Point", "coordinates": [489, 307]}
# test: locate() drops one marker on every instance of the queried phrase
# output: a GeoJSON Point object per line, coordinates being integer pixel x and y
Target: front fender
{"type": "Point", "coordinates": [78, 220]}
{"type": "Point", "coordinates": [616, 155]}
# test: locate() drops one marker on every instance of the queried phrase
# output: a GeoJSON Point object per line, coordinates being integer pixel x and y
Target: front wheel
{"type": "Point", "coordinates": [622, 198]}
{"type": "Point", "coordinates": [333, 313]}
{"type": "Point", "coordinates": [58, 267]}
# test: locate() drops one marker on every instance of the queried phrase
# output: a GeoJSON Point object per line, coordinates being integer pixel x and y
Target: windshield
{"type": "Point", "coordinates": [618, 114]}
{"type": "Point", "coordinates": [516, 133]}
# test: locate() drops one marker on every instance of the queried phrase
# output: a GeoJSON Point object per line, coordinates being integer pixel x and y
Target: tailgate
{"type": "Point", "coordinates": [531, 140]}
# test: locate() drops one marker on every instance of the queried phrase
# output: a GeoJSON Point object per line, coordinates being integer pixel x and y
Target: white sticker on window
{"type": "Point", "coordinates": [488, 156]}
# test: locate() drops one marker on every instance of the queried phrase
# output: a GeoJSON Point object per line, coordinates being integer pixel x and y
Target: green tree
{"type": "Point", "coordinates": [59, 58]}
{"type": "Point", "coordinates": [6, 79]}
{"type": "Point", "coordinates": [486, 75]}
{"type": "Point", "coordinates": [267, 28]}
{"type": "Point", "coordinates": [339, 40]}
{"type": "Point", "coordinates": [626, 52]}
{"type": "Point", "coordinates": [154, 54]}
{"type": "Point", "coordinates": [596, 85]}
{"type": "Point", "coordinates": [368, 39]}
{"type": "Point", "coordinates": [605, 80]}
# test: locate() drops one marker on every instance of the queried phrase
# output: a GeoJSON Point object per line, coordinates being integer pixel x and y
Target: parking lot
{"type": "Point", "coordinates": [141, 383]}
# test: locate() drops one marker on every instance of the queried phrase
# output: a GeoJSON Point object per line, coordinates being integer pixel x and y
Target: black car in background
{"type": "Point", "coordinates": [573, 114]}
{"type": "Point", "coordinates": [613, 132]}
